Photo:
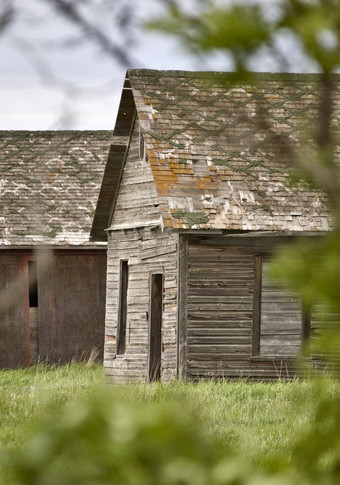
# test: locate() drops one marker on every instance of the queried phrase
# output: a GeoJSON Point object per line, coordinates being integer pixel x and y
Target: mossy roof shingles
{"type": "Point", "coordinates": [213, 163]}
{"type": "Point", "coordinates": [49, 185]}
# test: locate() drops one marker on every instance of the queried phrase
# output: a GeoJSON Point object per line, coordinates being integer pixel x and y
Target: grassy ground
{"type": "Point", "coordinates": [256, 418]}
{"type": "Point", "coordinates": [26, 395]}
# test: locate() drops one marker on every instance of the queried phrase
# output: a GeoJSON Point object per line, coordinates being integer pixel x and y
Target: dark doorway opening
{"type": "Point", "coordinates": [156, 313]}
{"type": "Point", "coordinates": [33, 316]}
{"type": "Point", "coordinates": [121, 331]}
{"type": "Point", "coordinates": [33, 283]}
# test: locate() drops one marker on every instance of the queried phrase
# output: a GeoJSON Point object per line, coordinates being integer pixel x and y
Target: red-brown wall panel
{"type": "Point", "coordinates": [72, 305]}
{"type": "Point", "coordinates": [14, 343]}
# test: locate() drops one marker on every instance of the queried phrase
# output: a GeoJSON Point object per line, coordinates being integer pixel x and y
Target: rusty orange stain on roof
{"type": "Point", "coordinates": [206, 182]}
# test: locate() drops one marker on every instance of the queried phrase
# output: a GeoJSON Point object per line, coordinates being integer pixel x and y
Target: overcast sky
{"type": "Point", "coordinates": [52, 76]}
{"type": "Point", "coordinates": [47, 81]}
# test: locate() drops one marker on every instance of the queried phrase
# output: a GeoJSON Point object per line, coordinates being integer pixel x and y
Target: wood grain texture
{"type": "Point", "coordinates": [136, 202]}
{"type": "Point", "coordinates": [71, 306]}
{"type": "Point", "coordinates": [224, 312]}
{"type": "Point", "coordinates": [183, 303]}
{"type": "Point", "coordinates": [141, 247]}
{"type": "Point", "coordinates": [219, 311]}
{"type": "Point", "coordinates": [281, 318]}
{"type": "Point", "coordinates": [14, 339]}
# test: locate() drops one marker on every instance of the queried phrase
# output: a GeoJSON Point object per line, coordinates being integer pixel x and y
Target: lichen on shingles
{"type": "Point", "coordinates": [193, 218]}
{"type": "Point", "coordinates": [208, 115]}
{"type": "Point", "coordinates": [51, 182]}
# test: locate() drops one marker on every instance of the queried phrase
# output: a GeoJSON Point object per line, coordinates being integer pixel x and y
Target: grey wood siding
{"type": "Point", "coordinates": [137, 202]}
{"type": "Point", "coordinates": [220, 290]}
{"type": "Point", "coordinates": [220, 298]}
{"type": "Point", "coordinates": [147, 251]}
{"type": "Point", "coordinates": [137, 238]}
{"type": "Point", "coordinates": [281, 318]}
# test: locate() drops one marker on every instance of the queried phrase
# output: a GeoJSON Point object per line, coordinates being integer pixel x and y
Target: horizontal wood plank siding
{"type": "Point", "coordinates": [281, 318]}
{"type": "Point", "coordinates": [137, 202]}
{"type": "Point", "coordinates": [220, 309]}
{"type": "Point", "coordinates": [136, 246]}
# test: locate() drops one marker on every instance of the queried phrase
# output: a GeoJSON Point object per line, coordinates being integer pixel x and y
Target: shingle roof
{"type": "Point", "coordinates": [49, 185]}
{"type": "Point", "coordinates": [213, 166]}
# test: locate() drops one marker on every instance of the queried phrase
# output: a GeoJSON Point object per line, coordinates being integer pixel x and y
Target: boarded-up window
{"type": "Point", "coordinates": [281, 318]}
{"type": "Point", "coordinates": [121, 330]}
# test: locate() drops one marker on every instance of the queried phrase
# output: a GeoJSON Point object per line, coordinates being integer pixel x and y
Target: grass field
{"type": "Point", "coordinates": [257, 419]}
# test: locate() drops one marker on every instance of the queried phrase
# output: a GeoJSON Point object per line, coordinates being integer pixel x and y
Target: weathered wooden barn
{"type": "Point", "coordinates": [52, 278]}
{"type": "Point", "coordinates": [194, 209]}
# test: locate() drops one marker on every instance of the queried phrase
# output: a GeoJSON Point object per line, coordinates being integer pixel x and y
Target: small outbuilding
{"type": "Point", "coordinates": [193, 210]}
{"type": "Point", "coordinates": [52, 278]}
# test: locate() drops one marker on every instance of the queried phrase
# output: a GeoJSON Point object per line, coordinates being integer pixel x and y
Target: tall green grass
{"type": "Point", "coordinates": [27, 395]}
{"type": "Point", "coordinates": [258, 421]}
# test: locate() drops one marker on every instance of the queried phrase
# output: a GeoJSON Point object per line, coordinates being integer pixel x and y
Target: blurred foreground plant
{"type": "Point", "coordinates": [109, 439]}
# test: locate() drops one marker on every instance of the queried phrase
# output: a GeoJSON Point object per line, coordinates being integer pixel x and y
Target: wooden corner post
{"type": "Point", "coordinates": [182, 305]}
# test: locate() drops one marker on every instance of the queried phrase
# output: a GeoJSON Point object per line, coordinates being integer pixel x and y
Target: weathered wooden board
{"type": "Point", "coordinates": [220, 300]}
{"type": "Point", "coordinates": [137, 202]}
{"type": "Point", "coordinates": [225, 296]}
{"type": "Point", "coordinates": [14, 332]}
{"type": "Point", "coordinates": [72, 305]}
{"type": "Point", "coordinates": [281, 318]}
{"type": "Point", "coordinates": [147, 252]}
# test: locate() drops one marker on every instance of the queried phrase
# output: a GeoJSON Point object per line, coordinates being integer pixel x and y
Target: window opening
{"type": "Point", "coordinates": [122, 313]}
{"type": "Point", "coordinates": [141, 146]}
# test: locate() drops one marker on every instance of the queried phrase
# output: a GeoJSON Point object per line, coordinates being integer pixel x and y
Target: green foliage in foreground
{"type": "Point", "coordinates": [67, 428]}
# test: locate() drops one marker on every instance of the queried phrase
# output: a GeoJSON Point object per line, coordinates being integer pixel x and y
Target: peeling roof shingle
{"type": "Point", "coordinates": [49, 185]}
{"type": "Point", "coordinates": [213, 164]}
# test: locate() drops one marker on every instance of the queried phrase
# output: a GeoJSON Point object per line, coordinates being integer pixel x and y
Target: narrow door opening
{"type": "Point", "coordinates": [121, 331]}
{"type": "Point", "coordinates": [33, 284]}
{"type": "Point", "coordinates": [156, 312]}
{"type": "Point", "coordinates": [33, 312]}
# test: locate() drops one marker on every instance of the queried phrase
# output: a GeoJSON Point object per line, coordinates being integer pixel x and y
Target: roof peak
{"type": "Point", "coordinates": [228, 74]}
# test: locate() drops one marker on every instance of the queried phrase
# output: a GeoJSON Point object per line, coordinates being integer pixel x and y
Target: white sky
{"type": "Point", "coordinates": [87, 88]}
{"type": "Point", "coordinates": [47, 84]}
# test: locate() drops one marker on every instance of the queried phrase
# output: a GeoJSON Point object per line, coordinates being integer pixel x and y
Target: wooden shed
{"type": "Point", "coordinates": [193, 211]}
{"type": "Point", "coordinates": [52, 278]}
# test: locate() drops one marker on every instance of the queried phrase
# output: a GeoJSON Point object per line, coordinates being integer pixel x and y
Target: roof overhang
{"type": "Point", "coordinates": [107, 192]}
{"type": "Point", "coordinates": [114, 165]}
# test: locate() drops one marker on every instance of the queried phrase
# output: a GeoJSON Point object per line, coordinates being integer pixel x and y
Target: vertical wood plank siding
{"type": "Point", "coordinates": [69, 320]}
{"type": "Point", "coordinates": [72, 306]}
{"type": "Point", "coordinates": [220, 292]}
{"type": "Point", "coordinates": [14, 341]}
